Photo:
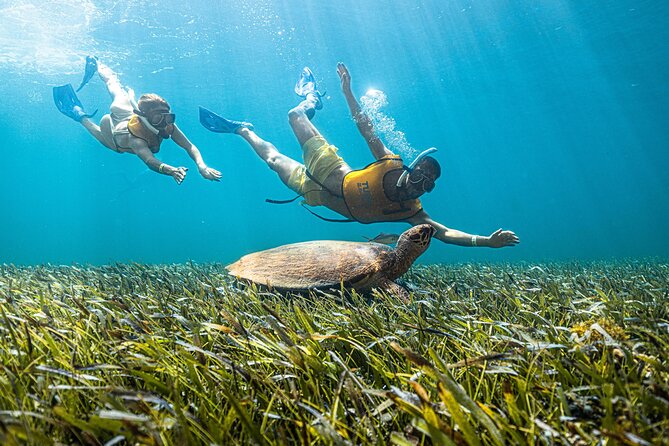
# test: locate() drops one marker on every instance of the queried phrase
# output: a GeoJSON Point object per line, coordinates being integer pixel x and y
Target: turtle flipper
{"type": "Point", "coordinates": [395, 289]}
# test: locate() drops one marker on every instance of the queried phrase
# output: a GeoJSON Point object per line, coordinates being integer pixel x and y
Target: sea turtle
{"type": "Point", "coordinates": [324, 264]}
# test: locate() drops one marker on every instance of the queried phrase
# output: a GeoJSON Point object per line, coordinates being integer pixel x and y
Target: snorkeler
{"type": "Point", "coordinates": [387, 190]}
{"type": "Point", "coordinates": [131, 127]}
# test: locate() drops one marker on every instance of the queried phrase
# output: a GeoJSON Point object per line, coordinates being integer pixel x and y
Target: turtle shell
{"type": "Point", "coordinates": [315, 264]}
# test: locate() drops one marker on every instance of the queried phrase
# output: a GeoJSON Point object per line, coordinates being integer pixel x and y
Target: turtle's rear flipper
{"type": "Point", "coordinates": [395, 289]}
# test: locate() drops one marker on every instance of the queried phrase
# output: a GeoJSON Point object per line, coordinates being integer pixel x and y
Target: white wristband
{"type": "Point", "coordinates": [473, 240]}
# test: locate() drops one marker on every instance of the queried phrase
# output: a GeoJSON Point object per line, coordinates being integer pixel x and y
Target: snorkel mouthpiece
{"type": "Point", "coordinates": [403, 180]}
{"type": "Point", "coordinates": [166, 131]}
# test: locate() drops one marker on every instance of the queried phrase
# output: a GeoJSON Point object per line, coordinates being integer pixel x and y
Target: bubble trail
{"type": "Point", "coordinates": [372, 103]}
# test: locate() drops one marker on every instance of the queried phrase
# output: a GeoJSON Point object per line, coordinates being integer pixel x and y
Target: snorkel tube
{"type": "Point", "coordinates": [140, 115]}
{"type": "Point", "coordinates": [404, 178]}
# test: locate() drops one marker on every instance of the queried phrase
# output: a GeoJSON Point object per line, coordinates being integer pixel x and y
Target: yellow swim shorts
{"type": "Point", "coordinates": [321, 159]}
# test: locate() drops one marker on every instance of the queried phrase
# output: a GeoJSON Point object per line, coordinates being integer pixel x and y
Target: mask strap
{"type": "Point", "coordinates": [404, 178]}
{"type": "Point", "coordinates": [140, 115]}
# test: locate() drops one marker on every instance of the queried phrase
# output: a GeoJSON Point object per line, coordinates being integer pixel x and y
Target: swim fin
{"type": "Point", "coordinates": [305, 86]}
{"type": "Point", "coordinates": [68, 103]}
{"type": "Point", "coordinates": [89, 71]}
{"type": "Point", "coordinates": [218, 124]}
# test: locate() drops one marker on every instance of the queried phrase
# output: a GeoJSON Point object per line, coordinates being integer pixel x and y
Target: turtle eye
{"type": "Point", "coordinates": [418, 238]}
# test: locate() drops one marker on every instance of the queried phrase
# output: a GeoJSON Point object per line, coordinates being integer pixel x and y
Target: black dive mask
{"type": "Point", "coordinates": [162, 122]}
{"type": "Point", "coordinates": [418, 176]}
{"type": "Point", "coordinates": [427, 182]}
{"type": "Point", "coordinates": [159, 120]}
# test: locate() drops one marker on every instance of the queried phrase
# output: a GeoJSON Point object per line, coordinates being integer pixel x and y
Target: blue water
{"type": "Point", "coordinates": [550, 118]}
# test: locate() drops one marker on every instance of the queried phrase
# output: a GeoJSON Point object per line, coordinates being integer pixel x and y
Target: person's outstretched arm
{"type": "Point", "coordinates": [145, 154]}
{"type": "Point", "coordinates": [207, 172]}
{"type": "Point", "coordinates": [497, 239]}
{"type": "Point", "coordinates": [363, 122]}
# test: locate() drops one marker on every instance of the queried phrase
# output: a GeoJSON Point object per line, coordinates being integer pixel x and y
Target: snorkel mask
{"type": "Point", "coordinates": [164, 122]}
{"type": "Point", "coordinates": [405, 178]}
{"type": "Point", "coordinates": [161, 120]}
{"type": "Point", "coordinates": [161, 124]}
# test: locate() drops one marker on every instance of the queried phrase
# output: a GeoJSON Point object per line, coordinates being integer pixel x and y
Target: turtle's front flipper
{"type": "Point", "coordinates": [395, 289]}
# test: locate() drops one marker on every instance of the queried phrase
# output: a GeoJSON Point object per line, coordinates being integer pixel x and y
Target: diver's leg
{"type": "Point", "coordinates": [121, 107]}
{"type": "Point", "coordinates": [331, 177]}
{"type": "Point", "coordinates": [299, 121]}
{"type": "Point", "coordinates": [111, 80]}
{"type": "Point", "coordinates": [278, 162]}
{"type": "Point", "coordinates": [94, 130]}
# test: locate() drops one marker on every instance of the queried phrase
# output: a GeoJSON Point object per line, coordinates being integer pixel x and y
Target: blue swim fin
{"type": "Point", "coordinates": [89, 71]}
{"type": "Point", "coordinates": [68, 103]}
{"type": "Point", "coordinates": [215, 123]}
{"type": "Point", "coordinates": [307, 84]}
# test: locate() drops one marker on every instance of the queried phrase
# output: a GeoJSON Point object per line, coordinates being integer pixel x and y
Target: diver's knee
{"type": "Point", "coordinates": [273, 160]}
{"type": "Point", "coordinates": [295, 114]}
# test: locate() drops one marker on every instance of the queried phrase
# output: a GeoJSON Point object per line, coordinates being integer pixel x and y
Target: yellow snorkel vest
{"type": "Point", "coordinates": [137, 129]}
{"type": "Point", "coordinates": [366, 199]}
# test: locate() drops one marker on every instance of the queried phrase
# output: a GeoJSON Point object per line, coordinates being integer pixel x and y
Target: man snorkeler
{"type": "Point", "coordinates": [132, 127]}
{"type": "Point", "coordinates": [387, 190]}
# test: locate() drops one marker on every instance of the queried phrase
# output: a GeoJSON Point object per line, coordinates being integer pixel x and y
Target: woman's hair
{"type": "Point", "coordinates": [151, 101]}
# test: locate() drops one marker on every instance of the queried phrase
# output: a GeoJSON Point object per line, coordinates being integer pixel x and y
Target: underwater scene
{"type": "Point", "coordinates": [317, 222]}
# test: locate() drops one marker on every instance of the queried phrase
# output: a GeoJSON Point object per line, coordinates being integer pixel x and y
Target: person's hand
{"type": "Point", "coordinates": [345, 77]}
{"type": "Point", "coordinates": [499, 239]}
{"type": "Point", "coordinates": [179, 174]}
{"type": "Point", "coordinates": [210, 174]}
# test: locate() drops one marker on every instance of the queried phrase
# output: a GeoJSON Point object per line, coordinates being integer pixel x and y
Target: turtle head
{"type": "Point", "coordinates": [411, 244]}
{"type": "Point", "coordinates": [417, 238]}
